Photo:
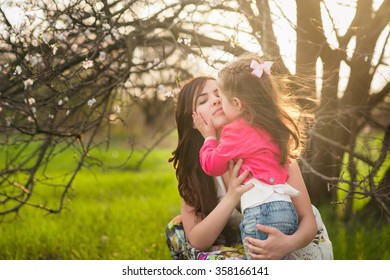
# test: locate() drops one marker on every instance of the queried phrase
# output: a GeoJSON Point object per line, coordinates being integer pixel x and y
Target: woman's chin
{"type": "Point", "coordinates": [219, 121]}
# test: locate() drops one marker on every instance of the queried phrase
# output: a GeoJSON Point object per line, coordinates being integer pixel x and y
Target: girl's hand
{"type": "Point", "coordinates": [207, 129]}
{"type": "Point", "coordinates": [275, 247]}
{"type": "Point", "coordinates": [235, 187]}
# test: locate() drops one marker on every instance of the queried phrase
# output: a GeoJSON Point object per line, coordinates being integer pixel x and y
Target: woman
{"type": "Point", "coordinates": [208, 212]}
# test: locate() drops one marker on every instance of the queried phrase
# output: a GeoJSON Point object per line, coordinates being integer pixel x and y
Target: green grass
{"type": "Point", "coordinates": [357, 239]}
{"type": "Point", "coordinates": [121, 214]}
{"type": "Point", "coordinates": [114, 214]}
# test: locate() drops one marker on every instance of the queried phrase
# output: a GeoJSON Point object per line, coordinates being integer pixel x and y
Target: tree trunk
{"type": "Point", "coordinates": [311, 44]}
{"type": "Point", "coordinates": [336, 118]}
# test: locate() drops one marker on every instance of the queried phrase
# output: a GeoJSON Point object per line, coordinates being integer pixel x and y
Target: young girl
{"type": "Point", "coordinates": [261, 133]}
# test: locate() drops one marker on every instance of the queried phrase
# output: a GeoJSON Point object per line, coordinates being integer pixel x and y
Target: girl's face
{"type": "Point", "coordinates": [231, 107]}
{"type": "Point", "coordinates": [208, 104]}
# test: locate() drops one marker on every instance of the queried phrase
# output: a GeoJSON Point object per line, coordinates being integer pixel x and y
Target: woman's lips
{"type": "Point", "coordinates": [218, 111]}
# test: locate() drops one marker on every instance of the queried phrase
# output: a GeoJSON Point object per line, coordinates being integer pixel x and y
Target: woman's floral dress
{"type": "Point", "coordinates": [319, 249]}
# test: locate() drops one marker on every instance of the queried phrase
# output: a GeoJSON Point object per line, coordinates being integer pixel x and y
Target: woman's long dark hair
{"type": "Point", "coordinates": [195, 187]}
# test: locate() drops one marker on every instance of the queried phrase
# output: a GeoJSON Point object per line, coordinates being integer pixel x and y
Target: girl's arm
{"type": "Point", "coordinates": [202, 233]}
{"type": "Point", "coordinates": [278, 245]}
{"type": "Point", "coordinates": [213, 163]}
{"type": "Point", "coordinates": [214, 156]}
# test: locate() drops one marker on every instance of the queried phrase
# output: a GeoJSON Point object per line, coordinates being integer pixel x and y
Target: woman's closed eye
{"type": "Point", "coordinates": [203, 101]}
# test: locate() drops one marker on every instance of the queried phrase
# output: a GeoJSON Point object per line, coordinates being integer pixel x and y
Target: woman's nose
{"type": "Point", "coordinates": [217, 101]}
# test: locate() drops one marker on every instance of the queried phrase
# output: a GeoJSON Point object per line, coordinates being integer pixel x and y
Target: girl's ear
{"type": "Point", "coordinates": [237, 103]}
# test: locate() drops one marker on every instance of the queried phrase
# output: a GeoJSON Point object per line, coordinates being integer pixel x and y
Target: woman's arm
{"type": "Point", "coordinates": [278, 245]}
{"type": "Point", "coordinates": [202, 233]}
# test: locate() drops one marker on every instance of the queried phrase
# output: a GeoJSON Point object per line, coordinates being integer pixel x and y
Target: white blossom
{"type": "Point", "coordinates": [188, 41]}
{"type": "Point", "coordinates": [67, 112]}
{"type": "Point", "coordinates": [30, 119]}
{"type": "Point", "coordinates": [54, 49]}
{"type": "Point", "coordinates": [106, 26]}
{"type": "Point", "coordinates": [18, 70]}
{"type": "Point", "coordinates": [116, 35]}
{"type": "Point", "coordinates": [30, 101]}
{"type": "Point", "coordinates": [66, 99]}
{"type": "Point", "coordinates": [160, 87]}
{"type": "Point", "coordinates": [169, 94]}
{"type": "Point", "coordinates": [36, 59]}
{"type": "Point", "coordinates": [61, 36]}
{"type": "Point", "coordinates": [102, 56]}
{"type": "Point", "coordinates": [91, 102]}
{"type": "Point", "coordinates": [60, 102]}
{"type": "Point", "coordinates": [51, 116]}
{"type": "Point", "coordinates": [117, 109]}
{"type": "Point", "coordinates": [128, 84]}
{"type": "Point", "coordinates": [108, 39]}
{"type": "Point", "coordinates": [87, 64]}
{"type": "Point", "coordinates": [185, 41]}
{"type": "Point", "coordinates": [99, 6]}
{"type": "Point", "coordinates": [27, 83]}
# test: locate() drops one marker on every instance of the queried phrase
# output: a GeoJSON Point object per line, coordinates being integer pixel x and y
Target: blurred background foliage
{"type": "Point", "coordinates": [87, 90]}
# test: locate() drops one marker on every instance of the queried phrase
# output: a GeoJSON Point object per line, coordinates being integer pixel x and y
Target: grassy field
{"type": "Point", "coordinates": [114, 214]}
{"type": "Point", "coordinates": [121, 214]}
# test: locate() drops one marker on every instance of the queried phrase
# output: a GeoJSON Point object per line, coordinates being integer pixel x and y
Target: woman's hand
{"type": "Point", "coordinates": [235, 187]}
{"type": "Point", "coordinates": [275, 247]}
{"type": "Point", "coordinates": [278, 245]}
{"type": "Point", "coordinates": [202, 232]}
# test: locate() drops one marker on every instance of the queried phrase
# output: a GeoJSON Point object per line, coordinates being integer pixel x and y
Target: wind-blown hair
{"type": "Point", "coordinates": [264, 103]}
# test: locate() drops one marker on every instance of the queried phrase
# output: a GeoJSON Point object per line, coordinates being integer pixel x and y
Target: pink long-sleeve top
{"type": "Point", "coordinates": [255, 146]}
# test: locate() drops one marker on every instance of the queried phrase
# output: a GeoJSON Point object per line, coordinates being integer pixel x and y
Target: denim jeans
{"type": "Point", "coordinates": [279, 214]}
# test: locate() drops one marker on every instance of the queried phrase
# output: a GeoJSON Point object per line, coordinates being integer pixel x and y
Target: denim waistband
{"type": "Point", "coordinates": [263, 193]}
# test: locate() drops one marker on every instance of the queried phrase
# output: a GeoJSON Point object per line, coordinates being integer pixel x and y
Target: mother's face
{"type": "Point", "coordinates": [208, 104]}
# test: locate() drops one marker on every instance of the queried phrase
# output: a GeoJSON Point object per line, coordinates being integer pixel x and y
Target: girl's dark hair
{"type": "Point", "coordinates": [195, 187]}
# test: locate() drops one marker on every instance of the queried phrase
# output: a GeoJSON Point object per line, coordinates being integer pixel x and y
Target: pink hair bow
{"type": "Point", "coordinates": [259, 68]}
